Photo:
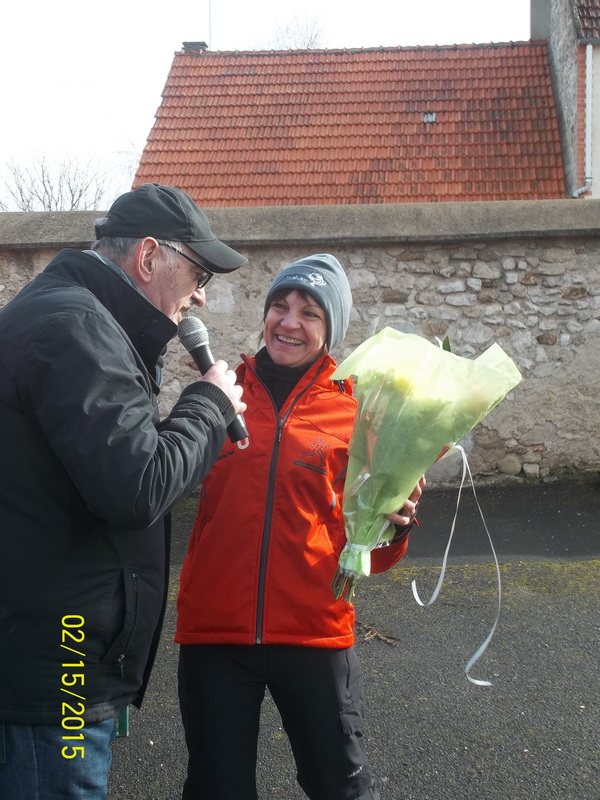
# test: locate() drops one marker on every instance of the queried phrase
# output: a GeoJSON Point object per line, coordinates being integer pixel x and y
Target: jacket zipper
{"type": "Point", "coordinates": [266, 535]}
{"type": "Point", "coordinates": [136, 594]}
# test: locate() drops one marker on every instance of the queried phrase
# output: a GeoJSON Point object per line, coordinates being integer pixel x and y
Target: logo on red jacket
{"type": "Point", "coordinates": [317, 453]}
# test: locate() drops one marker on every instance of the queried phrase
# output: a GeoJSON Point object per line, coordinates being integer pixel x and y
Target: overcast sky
{"type": "Point", "coordinates": [85, 79]}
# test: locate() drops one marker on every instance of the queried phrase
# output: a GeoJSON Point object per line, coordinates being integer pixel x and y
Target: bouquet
{"type": "Point", "coordinates": [415, 400]}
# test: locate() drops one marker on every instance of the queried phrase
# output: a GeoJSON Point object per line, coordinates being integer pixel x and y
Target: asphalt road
{"type": "Point", "coordinates": [430, 733]}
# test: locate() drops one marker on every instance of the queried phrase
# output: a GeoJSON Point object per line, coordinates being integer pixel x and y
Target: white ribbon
{"type": "Point", "coordinates": [483, 647]}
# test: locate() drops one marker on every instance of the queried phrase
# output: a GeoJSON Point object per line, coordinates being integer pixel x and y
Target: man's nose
{"type": "Point", "coordinates": [199, 297]}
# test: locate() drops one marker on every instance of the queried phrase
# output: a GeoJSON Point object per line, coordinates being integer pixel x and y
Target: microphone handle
{"type": "Point", "coordinates": [237, 430]}
{"type": "Point", "coordinates": [204, 359]}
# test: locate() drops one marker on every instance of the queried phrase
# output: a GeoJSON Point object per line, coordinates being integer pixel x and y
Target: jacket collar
{"type": "Point", "coordinates": [320, 372]}
{"type": "Point", "coordinates": [148, 328]}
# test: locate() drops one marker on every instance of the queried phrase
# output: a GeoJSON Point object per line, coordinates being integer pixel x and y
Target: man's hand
{"type": "Point", "coordinates": [225, 379]}
{"type": "Point", "coordinates": [404, 516]}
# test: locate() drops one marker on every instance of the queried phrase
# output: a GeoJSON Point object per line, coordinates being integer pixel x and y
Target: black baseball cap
{"type": "Point", "coordinates": [167, 213]}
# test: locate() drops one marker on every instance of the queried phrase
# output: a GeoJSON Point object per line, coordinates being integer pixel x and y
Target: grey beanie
{"type": "Point", "coordinates": [323, 277]}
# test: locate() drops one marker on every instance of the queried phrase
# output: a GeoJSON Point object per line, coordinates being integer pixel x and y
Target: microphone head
{"type": "Point", "coordinates": [192, 333]}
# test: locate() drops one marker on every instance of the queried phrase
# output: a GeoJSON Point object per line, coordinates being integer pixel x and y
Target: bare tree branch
{"type": "Point", "coordinates": [299, 34]}
{"type": "Point", "coordinates": [68, 185]}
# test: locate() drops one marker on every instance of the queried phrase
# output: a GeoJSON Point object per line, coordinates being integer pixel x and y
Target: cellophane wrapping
{"type": "Point", "coordinates": [415, 400]}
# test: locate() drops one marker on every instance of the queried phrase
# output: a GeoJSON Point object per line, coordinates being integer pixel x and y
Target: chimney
{"type": "Point", "coordinates": [195, 47]}
{"type": "Point", "coordinates": [539, 20]}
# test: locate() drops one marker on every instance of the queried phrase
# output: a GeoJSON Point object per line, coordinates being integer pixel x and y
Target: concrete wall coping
{"type": "Point", "coordinates": [377, 223]}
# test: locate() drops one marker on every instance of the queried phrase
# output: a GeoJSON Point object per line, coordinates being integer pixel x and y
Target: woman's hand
{"type": "Point", "coordinates": [404, 516]}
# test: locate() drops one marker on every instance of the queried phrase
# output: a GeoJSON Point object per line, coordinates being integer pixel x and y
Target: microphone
{"type": "Point", "coordinates": [194, 337]}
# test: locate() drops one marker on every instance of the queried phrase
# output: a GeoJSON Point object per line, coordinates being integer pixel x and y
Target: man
{"type": "Point", "coordinates": [87, 475]}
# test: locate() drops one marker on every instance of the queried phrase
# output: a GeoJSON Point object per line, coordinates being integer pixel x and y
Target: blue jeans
{"type": "Point", "coordinates": [33, 767]}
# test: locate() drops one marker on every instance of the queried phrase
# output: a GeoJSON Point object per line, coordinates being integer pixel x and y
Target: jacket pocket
{"type": "Point", "coordinates": [350, 688]}
{"type": "Point", "coordinates": [117, 650]}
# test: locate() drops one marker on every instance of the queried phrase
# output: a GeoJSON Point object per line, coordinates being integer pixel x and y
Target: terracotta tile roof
{"type": "Point", "coordinates": [587, 14]}
{"type": "Point", "coordinates": [466, 122]}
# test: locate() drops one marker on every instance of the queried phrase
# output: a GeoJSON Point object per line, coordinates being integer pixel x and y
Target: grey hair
{"type": "Point", "coordinates": [172, 250]}
{"type": "Point", "coordinates": [118, 248]}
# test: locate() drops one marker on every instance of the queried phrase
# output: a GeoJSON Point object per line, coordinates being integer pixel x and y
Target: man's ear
{"type": "Point", "coordinates": [145, 260]}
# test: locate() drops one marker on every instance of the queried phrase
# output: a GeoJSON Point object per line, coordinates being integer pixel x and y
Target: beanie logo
{"type": "Point", "coordinates": [313, 279]}
{"type": "Point", "coordinates": [316, 279]}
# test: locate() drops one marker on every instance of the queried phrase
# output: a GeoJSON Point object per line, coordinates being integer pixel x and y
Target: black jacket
{"type": "Point", "coordinates": [87, 475]}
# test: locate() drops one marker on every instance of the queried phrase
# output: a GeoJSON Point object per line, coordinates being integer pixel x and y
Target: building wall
{"type": "Point", "coordinates": [595, 191]}
{"type": "Point", "coordinates": [525, 275]}
{"type": "Point", "coordinates": [555, 23]}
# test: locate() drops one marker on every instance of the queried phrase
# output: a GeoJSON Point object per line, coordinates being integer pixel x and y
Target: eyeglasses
{"type": "Point", "coordinates": [203, 279]}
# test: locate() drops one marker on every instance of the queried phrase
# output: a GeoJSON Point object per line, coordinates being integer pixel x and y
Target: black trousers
{"type": "Point", "coordinates": [319, 695]}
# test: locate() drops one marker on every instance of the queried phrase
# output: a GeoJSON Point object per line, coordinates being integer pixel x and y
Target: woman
{"type": "Point", "coordinates": [256, 608]}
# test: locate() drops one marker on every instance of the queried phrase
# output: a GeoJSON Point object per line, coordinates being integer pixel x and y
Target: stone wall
{"type": "Point", "coordinates": [526, 275]}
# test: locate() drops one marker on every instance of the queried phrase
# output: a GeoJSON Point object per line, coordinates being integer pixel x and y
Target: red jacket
{"type": "Point", "coordinates": [269, 530]}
